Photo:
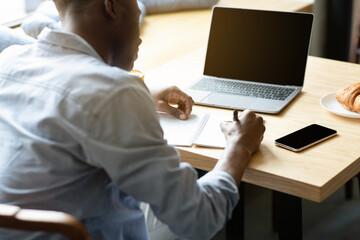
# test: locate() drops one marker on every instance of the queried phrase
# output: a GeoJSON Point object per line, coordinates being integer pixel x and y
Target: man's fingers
{"type": "Point", "coordinates": [176, 112]}
{"type": "Point", "coordinates": [188, 104]}
{"type": "Point", "coordinates": [174, 101]}
{"type": "Point", "coordinates": [184, 102]}
{"type": "Point", "coordinates": [183, 105]}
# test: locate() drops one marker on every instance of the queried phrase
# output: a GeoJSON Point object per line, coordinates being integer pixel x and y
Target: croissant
{"type": "Point", "coordinates": [349, 97]}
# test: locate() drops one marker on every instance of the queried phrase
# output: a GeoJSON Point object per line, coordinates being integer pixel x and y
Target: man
{"type": "Point", "coordinates": [80, 134]}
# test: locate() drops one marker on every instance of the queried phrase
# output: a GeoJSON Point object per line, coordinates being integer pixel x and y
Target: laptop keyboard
{"type": "Point", "coordinates": [241, 88]}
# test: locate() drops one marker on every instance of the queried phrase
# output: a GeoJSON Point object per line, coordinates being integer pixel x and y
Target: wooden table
{"type": "Point", "coordinates": [313, 174]}
{"type": "Point", "coordinates": [173, 52]}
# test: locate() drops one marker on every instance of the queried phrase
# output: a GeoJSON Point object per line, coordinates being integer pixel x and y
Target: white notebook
{"type": "Point", "coordinates": [199, 129]}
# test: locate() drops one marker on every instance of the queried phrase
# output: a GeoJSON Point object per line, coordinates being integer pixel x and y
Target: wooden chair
{"type": "Point", "coordinates": [13, 217]}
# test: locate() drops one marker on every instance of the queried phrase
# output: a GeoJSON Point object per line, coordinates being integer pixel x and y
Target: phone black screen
{"type": "Point", "coordinates": [305, 136]}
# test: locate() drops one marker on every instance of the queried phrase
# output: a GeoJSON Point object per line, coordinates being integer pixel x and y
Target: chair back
{"type": "Point", "coordinates": [13, 217]}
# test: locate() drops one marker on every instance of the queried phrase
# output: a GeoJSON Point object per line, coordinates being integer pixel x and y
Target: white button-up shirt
{"type": "Point", "coordinates": [80, 136]}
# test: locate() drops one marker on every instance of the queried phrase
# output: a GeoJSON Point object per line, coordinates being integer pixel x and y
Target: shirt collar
{"type": "Point", "coordinates": [68, 40]}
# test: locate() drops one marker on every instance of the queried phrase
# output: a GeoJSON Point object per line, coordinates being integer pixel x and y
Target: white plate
{"type": "Point", "coordinates": [330, 103]}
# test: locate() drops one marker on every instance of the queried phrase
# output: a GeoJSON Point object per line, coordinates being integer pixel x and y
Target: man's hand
{"type": "Point", "coordinates": [243, 136]}
{"type": "Point", "coordinates": [174, 102]}
{"type": "Point", "coordinates": [246, 132]}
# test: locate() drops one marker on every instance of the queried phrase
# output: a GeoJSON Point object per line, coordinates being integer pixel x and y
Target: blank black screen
{"type": "Point", "coordinates": [305, 136]}
{"type": "Point", "coordinates": [260, 46]}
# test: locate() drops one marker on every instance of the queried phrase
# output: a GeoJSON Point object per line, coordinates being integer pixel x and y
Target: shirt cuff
{"type": "Point", "coordinates": [225, 184]}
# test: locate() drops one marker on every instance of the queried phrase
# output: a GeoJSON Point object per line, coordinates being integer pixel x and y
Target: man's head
{"type": "Point", "coordinates": [110, 26]}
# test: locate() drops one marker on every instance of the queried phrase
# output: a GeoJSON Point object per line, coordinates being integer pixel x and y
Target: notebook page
{"type": "Point", "coordinates": [181, 132]}
{"type": "Point", "coordinates": [211, 135]}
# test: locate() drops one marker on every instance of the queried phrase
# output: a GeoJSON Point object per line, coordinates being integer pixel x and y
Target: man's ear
{"type": "Point", "coordinates": [110, 8]}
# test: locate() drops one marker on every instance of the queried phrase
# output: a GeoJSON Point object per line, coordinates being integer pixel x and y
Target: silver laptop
{"type": "Point", "coordinates": [255, 59]}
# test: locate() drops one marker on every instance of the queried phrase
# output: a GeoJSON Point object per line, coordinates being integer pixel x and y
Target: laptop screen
{"type": "Point", "coordinates": [259, 46]}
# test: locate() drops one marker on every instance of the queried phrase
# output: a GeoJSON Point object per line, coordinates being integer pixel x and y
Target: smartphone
{"type": "Point", "coordinates": [305, 137]}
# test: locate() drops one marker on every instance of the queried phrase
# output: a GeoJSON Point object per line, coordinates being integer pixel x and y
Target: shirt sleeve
{"type": "Point", "coordinates": [127, 141]}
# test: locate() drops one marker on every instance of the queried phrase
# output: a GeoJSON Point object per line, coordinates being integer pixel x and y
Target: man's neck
{"type": "Point", "coordinates": [91, 29]}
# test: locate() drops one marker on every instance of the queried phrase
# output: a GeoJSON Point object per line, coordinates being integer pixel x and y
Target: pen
{"type": "Point", "coordinates": [236, 117]}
